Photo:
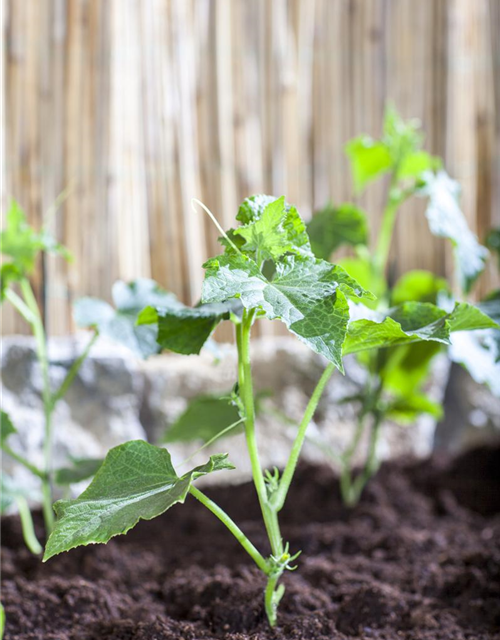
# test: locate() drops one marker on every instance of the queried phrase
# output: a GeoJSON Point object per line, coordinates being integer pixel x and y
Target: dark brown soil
{"type": "Point", "coordinates": [418, 559]}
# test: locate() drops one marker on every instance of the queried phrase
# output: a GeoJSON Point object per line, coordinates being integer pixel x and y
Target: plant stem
{"type": "Point", "coordinates": [346, 460]}
{"type": "Point", "coordinates": [41, 348]}
{"type": "Point", "coordinates": [22, 460]}
{"type": "Point", "coordinates": [72, 372]}
{"type": "Point", "coordinates": [286, 479]}
{"type": "Point", "coordinates": [28, 529]}
{"type": "Point", "coordinates": [233, 528]}
{"type": "Point", "coordinates": [386, 231]}
{"type": "Point", "coordinates": [272, 597]}
{"type": "Point", "coordinates": [246, 394]}
{"type": "Point", "coordinates": [352, 489]}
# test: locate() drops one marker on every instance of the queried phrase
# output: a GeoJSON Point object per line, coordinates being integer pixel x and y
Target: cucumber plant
{"type": "Point", "coordinates": [266, 271]}
{"type": "Point", "coordinates": [22, 245]}
{"type": "Point", "coordinates": [394, 377]}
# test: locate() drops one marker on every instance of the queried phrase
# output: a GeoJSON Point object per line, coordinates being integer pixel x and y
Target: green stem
{"type": "Point", "coordinates": [286, 479]}
{"type": "Point", "coordinates": [353, 489]}
{"type": "Point", "coordinates": [247, 397]}
{"type": "Point", "coordinates": [22, 460]}
{"type": "Point", "coordinates": [233, 528]}
{"type": "Point", "coordinates": [20, 306]}
{"type": "Point", "coordinates": [27, 526]}
{"type": "Point", "coordinates": [385, 234]}
{"type": "Point", "coordinates": [73, 371]}
{"type": "Point", "coordinates": [272, 597]}
{"type": "Point", "coordinates": [346, 461]}
{"type": "Point", "coordinates": [41, 348]}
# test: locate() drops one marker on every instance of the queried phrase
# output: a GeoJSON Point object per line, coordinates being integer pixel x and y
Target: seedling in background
{"type": "Point", "coordinates": [479, 352]}
{"type": "Point", "coordinates": [22, 245]}
{"type": "Point", "coordinates": [267, 271]}
{"type": "Point", "coordinates": [395, 377]}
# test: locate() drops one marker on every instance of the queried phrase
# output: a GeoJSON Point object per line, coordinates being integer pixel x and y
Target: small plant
{"type": "Point", "coordinates": [479, 352]}
{"type": "Point", "coordinates": [267, 271]}
{"type": "Point", "coordinates": [394, 377]}
{"type": "Point", "coordinates": [21, 245]}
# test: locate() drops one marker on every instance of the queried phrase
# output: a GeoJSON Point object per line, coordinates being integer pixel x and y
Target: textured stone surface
{"type": "Point", "coordinates": [117, 397]}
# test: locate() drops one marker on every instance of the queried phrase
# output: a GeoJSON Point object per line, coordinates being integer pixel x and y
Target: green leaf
{"type": "Point", "coordinates": [399, 150]}
{"type": "Point", "coordinates": [272, 228]}
{"type": "Point", "coordinates": [136, 482]}
{"type": "Point", "coordinates": [418, 286]}
{"type": "Point", "coordinates": [307, 294]}
{"type": "Point", "coordinates": [80, 469]}
{"type": "Point", "coordinates": [406, 367]}
{"type": "Point", "coordinates": [22, 243]}
{"type": "Point", "coordinates": [2, 620]}
{"type": "Point", "coordinates": [334, 226]}
{"type": "Point", "coordinates": [186, 329]}
{"type": "Point", "coordinates": [266, 237]}
{"type": "Point", "coordinates": [446, 220]}
{"type": "Point", "coordinates": [9, 273]}
{"type": "Point", "coordinates": [414, 165]}
{"type": "Point", "coordinates": [369, 159]}
{"type": "Point", "coordinates": [204, 418]}
{"type": "Point", "coordinates": [6, 427]}
{"type": "Point", "coordinates": [361, 269]}
{"type": "Point", "coordinates": [412, 322]}
{"type": "Point", "coordinates": [406, 409]}
{"type": "Point", "coordinates": [119, 323]}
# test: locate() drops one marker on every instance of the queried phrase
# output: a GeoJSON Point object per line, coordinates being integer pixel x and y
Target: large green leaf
{"type": "Point", "coordinates": [446, 220]}
{"type": "Point", "coordinates": [412, 322]}
{"type": "Point", "coordinates": [119, 323]}
{"type": "Point", "coordinates": [186, 329]}
{"type": "Point", "coordinates": [6, 427]}
{"type": "Point", "coordinates": [79, 469]}
{"type": "Point", "coordinates": [136, 482]}
{"type": "Point", "coordinates": [204, 418]}
{"type": "Point", "coordinates": [22, 243]}
{"type": "Point", "coordinates": [334, 226]}
{"type": "Point", "coordinates": [307, 294]}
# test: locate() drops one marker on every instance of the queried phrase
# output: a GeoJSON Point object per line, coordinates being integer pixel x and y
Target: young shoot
{"type": "Point", "coordinates": [267, 271]}
{"type": "Point", "coordinates": [22, 246]}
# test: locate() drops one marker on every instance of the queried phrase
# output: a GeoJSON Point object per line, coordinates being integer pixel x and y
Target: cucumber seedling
{"type": "Point", "coordinates": [394, 377]}
{"type": "Point", "coordinates": [267, 271]}
{"type": "Point", "coordinates": [22, 245]}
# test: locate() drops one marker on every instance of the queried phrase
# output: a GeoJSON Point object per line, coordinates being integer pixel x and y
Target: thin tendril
{"type": "Point", "coordinates": [214, 220]}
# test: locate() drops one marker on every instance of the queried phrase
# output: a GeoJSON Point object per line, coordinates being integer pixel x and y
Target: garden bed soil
{"type": "Point", "coordinates": [418, 559]}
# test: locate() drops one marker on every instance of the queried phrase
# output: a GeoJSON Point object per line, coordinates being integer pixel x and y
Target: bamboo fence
{"type": "Point", "coordinates": [134, 107]}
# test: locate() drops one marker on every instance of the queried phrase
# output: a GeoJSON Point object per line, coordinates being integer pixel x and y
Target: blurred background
{"type": "Point", "coordinates": [131, 108]}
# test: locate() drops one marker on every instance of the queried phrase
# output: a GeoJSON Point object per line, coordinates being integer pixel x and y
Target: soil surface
{"type": "Point", "coordinates": [418, 559]}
